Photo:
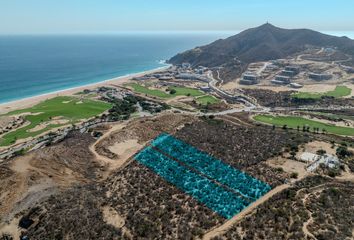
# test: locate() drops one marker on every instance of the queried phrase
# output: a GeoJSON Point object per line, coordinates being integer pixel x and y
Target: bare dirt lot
{"type": "Point", "coordinates": [139, 132]}
{"type": "Point", "coordinates": [28, 179]}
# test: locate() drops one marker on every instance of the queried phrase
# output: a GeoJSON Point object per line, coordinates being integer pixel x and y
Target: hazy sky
{"type": "Point", "coordinates": [86, 16]}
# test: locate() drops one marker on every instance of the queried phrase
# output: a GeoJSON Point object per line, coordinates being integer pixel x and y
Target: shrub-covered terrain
{"type": "Point", "coordinates": [244, 148]}
{"type": "Point", "coordinates": [150, 207]}
{"type": "Point", "coordinates": [271, 98]}
{"type": "Point", "coordinates": [315, 208]}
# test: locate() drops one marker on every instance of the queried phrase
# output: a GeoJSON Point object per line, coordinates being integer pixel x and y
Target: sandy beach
{"type": "Point", "coordinates": [28, 102]}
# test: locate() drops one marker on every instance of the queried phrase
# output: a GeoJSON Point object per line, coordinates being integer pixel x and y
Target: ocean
{"type": "Point", "coordinates": [35, 65]}
{"type": "Point", "coordinates": [38, 64]}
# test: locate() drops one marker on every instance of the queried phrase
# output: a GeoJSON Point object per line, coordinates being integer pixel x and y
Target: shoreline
{"type": "Point", "coordinates": [30, 101]}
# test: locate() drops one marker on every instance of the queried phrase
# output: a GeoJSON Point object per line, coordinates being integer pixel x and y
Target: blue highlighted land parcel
{"type": "Point", "coordinates": [219, 186]}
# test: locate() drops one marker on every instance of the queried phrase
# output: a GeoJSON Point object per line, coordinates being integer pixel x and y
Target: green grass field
{"type": "Point", "coordinates": [338, 92]}
{"type": "Point", "coordinates": [204, 100]}
{"type": "Point", "coordinates": [184, 91]}
{"type": "Point", "coordinates": [198, 95]}
{"type": "Point", "coordinates": [333, 117]}
{"type": "Point", "coordinates": [151, 92]}
{"type": "Point", "coordinates": [180, 91]}
{"type": "Point", "coordinates": [67, 108]}
{"type": "Point", "coordinates": [293, 122]}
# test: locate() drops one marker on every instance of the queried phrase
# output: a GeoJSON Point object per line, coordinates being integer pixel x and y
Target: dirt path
{"type": "Point", "coordinates": [93, 146]}
{"type": "Point", "coordinates": [233, 120]}
{"type": "Point", "coordinates": [227, 225]}
{"type": "Point", "coordinates": [309, 221]}
{"type": "Point", "coordinates": [347, 175]}
{"type": "Point", "coordinates": [124, 150]}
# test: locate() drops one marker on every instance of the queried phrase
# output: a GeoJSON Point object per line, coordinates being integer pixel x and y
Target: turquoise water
{"type": "Point", "coordinates": [241, 182]}
{"type": "Point", "coordinates": [34, 65]}
{"type": "Point", "coordinates": [213, 196]}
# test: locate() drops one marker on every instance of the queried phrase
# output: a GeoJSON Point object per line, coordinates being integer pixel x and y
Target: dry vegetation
{"type": "Point", "coordinates": [150, 208]}
{"type": "Point", "coordinates": [29, 178]}
{"type": "Point", "coordinates": [154, 209]}
{"type": "Point", "coordinates": [315, 208]}
{"type": "Point", "coordinates": [143, 130]}
{"type": "Point", "coordinates": [74, 214]}
{"type": "Point", "coordinates": [135, 203]}
{"type": "Point", "coordinates": [245, 148]}
{"type": "Point", "coordinates": [271, 98]}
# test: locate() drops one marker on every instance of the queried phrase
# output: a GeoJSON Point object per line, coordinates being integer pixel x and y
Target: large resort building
{"type": "Point", "coordinates": [249, 79]}
{"type": "Point", "coordinates": [281, 80]}
{"type": "Point", "coordinates": [319, 76]}
{"type": "Point", "coordinates": [286, 75]}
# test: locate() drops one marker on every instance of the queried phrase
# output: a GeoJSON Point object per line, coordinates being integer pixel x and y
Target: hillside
{"type": "Point", "coordinates": [265, 42]}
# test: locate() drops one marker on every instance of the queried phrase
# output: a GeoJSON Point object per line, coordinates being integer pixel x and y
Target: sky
{"type": "Point", "coordinates": [105, 16]}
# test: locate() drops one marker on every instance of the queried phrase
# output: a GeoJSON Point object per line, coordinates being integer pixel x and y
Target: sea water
{"type": "Point", "coordinates": [34, 65]}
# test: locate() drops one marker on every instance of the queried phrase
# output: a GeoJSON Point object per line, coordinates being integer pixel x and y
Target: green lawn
{"type": "Point", "coordinates": [180, 91]}
{"type": "Point", "coordinates": [204, 100]}
{"type": "Point", "coordinates": [338, 92]}
{"type": "Point", "coordinates": [152, 92]}
{"type": "Point", "coordinates": [293, 122]}
{"type": "Point", "coordinates": [333, 117]}
{"type": "Point", "coordinates": [184, 91]}
{"type": "Point", "coordinates": [68, 108]}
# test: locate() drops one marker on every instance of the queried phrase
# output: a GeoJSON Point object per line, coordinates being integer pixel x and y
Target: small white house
{"type": "Point", "coordinates": [315, 160]}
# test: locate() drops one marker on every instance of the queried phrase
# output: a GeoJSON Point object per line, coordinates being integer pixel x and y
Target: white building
{"type": "Point", "coordinates": [314, 161]}
{"type": "Point", "coordinates": [296, 85]}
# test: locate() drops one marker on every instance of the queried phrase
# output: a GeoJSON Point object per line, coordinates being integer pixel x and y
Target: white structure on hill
{"type": "Point", "coordinates": [314, 161]}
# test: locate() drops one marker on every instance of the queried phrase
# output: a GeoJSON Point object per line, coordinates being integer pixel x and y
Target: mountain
{"type": "Point", "coordinates": [263, 43]}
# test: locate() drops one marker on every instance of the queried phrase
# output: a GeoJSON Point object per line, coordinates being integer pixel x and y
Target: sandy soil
{"type": "Point", "coordinates": [112, 217]}
{"type": "Point", "coordinates": [312, 147]}
{"type": "Point", "coordinates": [235, 85]}
{"type": "Point", "coordinates": [5, 121]}
{"type": "Point", "coordinates": [28, 102]}
{"type": "Point", "coordinates": [46, 124]}
{"type": "Point", "coordinates": [318, 87]}
{"type": "Point", "coordinates": [346, 175]}
{"type": "Point", "coordinates": [126, 149]}
{"type": "Point", "coordinates": [27, 179]}
{"type": "Point", "coordinates": [11, 228]}
{"type": "Point", "coordinates": [289, 166]}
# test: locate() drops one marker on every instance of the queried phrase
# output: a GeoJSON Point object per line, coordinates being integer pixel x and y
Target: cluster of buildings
{"type": "Point", "coordinates": [286, 75]}
{"type": "Point", "coordinates": [249, 78]}
{"type": "Point", "coordinates": [183, 71]}
{"type": "Point", "coordinates": [315, 160]}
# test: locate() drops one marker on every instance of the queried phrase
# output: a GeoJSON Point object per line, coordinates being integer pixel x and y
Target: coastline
{"type": "Point", "coordinates": [30, 101]}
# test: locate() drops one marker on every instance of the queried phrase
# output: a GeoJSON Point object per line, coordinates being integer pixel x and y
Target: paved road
{"type": "Point", "coordinates": [238, 98]}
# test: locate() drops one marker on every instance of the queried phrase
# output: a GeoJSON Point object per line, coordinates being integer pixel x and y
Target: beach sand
{"type": "Point", "coordinates": [31, 101]}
